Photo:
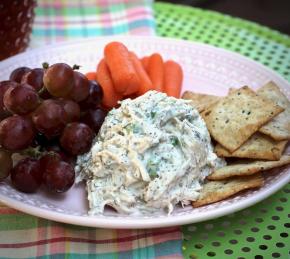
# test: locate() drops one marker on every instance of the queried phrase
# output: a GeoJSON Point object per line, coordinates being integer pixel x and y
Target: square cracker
{"type": "Point", "coordinates": [258, 146]}
{"type": "Point", "coordinates": [246, 167]}
{"type": "Point", "coordinates": [200, 101]}
{"type": "Point", "coordinates": [208, 109]}
{"type": "Point", "coordinates": [231, 89]}
{"type": "Point", "coordinates": [279, 127]}
{"type": "Point", "coordinates": [238, 116]}
{"type": "Point", "coordinates": [214, 191]}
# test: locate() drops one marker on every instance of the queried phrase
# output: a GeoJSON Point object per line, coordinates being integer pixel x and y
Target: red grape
{"type": "Point", "coordinates": [21, 99]}
{"type": "Point", "coordinates": [95, 96]}
{"type": "Point", "coordinates": [81, 88]}
{"type": "Point", "coordinates": [72, 109]}
{"type": "Point", "coordinates": [68, 158]}
{"type": "Point", "coordinates": [59, 79]}
{"type": "Point", "coordinates": [6, 164]}
{"type": "Point", "coordinates": [16, 133]}
{"type": "Point", "coordinates": [26, 176]}
{"type": "Point", "coordinates": [58, 176]}
{"type": "Point", "coordinates": [50, 118]}
{"type": "Point", "coordinates": [48, 159]}
{"type": "Point", "coordinates": [17, 74]}
{"type": "Point", "coordinates": [53, 146]}
{"type": "Point", "coordinates": [34, 78]}
{"type": "Point", "coordinates": [4, 86]}
{"type": "Point", "coordinates": [64, 156]}
{"type": "Point", "coordinates": [94, 118]}
{"type": "Point", "coordinates": [76, 138]}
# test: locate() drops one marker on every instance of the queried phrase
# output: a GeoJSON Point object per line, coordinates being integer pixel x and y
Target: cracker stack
{"type": "Point", "coordinates": [251, 128]}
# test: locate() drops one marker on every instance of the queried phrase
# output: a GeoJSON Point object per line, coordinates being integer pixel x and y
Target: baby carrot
{"type": "Point", "coordinates": [132, 96]}
{"type": "Point", "coordinates": [145, 61]}
{"type": "Point", "coordinates": [173, 77]}
{"type": "Point", "coordinates": [145, 82]}
{"type": "Point", "coordinates": [156, 71]}
{"type": "Point", "coordinates": [110, 97]}
{"type": "Point", "coordinates": [91, 75]}
{"type": "Point", "coordinates": [125, 78]}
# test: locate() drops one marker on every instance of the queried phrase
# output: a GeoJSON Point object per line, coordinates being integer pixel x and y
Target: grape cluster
{"type": "Point", "coordinates": [55, 110]}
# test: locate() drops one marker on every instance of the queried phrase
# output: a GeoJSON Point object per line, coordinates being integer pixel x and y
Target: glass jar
{"type": "Point", "coordinates": [16, 19]}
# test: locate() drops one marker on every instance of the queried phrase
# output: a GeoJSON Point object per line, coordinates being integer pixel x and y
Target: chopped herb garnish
{"type": "Point", "coordinates": [197, 134]}
{"type": "Point", "coordinates": [152, 174]}
{"type": "Point", "coordinates": [128, 128]}
{"type": "Point", "coordinates": [152, 168]}
{"type": "Point", "coordinates": [133, 128]}
{"type": "Point", "coordinates": [152, 114]}
{"type": "Point", "coordinates": [175, 141]}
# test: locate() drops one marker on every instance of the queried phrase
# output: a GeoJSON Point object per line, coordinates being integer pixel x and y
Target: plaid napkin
{"type": "Point", "coordinates": [59, 20]}
{"type": "Point", "coordinates": [25, 236]}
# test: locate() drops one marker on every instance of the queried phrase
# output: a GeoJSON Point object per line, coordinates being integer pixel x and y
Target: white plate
{"type": "Point", "coordinates": [207, 69]}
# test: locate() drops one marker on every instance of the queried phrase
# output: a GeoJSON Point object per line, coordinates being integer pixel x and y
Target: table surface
{"type": "Point", "coordinates": [273, 14]}
{"type": "Point", "coordinates": [260, 231]}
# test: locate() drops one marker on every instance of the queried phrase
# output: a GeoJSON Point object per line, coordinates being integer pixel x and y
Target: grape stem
{"type": "Point", "coordinates": [45, 65]}
{"type": "Point", "coordinates": [76, 67]}
{"type": "Point", "coordinates": [32, 152]}
{"type": "Point", "coordinates": [41, 91]}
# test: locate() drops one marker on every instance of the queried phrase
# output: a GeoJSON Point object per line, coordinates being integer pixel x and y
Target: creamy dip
{"type": "Point", "coordinates": [150, 154]}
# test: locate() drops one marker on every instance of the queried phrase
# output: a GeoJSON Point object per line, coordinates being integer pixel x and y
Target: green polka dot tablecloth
{"type": "Point", "coordinates": [260, 231]}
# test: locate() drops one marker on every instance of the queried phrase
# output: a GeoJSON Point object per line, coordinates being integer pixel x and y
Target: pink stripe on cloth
{"type": "Point", "coordinates": [174, 235]}
{"type": "Point", "coordinates": [41, 234]}
{"type": "Point", "coordinates": [169, 234]}
{"type": "Point", "coordinates": [60, 38]}
{"type": "Point", "coordinates": [139, 31]}
{"type": "Point", "coordinates": [8, 211]}
{"type": "Point", "coordinates": [110, 2]}
{"type": "Point", "coordinates": [56, 247]}
{"type": "Point", "coordinates": [103, 18]}
{"type": "Point", "coordinates": [58, 4]}
{"type": "Point", "coordinates": [106, 20]}
{"type": "Point", "coordinates": [123, 233]}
